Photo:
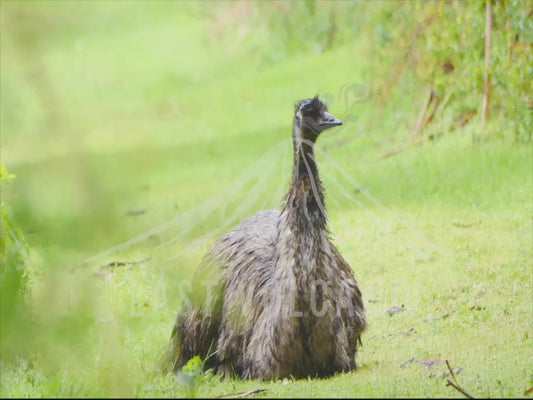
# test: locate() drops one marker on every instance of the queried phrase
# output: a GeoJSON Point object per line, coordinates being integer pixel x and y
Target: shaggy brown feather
{"type": "Point", "coordinates": [273, 297]}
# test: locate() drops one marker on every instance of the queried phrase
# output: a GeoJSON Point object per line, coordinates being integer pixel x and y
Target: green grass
{"type": "Point", "coordinates": [108, 109]}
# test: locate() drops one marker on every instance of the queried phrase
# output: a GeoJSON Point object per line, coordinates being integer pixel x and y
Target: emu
{"type": "Point", "coordinates": [273, 297]}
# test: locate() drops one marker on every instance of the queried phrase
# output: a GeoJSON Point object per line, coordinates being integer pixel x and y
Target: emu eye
{"type": "Point", "coordinates": [311, 114]}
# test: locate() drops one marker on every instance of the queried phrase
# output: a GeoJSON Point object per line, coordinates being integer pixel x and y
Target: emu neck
{"type": "Point", "coordinates": [303, 238]}
{"type": "Point", "coordinates": [304, 204]}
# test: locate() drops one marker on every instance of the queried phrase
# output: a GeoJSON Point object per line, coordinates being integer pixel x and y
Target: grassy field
{"type": "Point", "coordinates": [139, 132]}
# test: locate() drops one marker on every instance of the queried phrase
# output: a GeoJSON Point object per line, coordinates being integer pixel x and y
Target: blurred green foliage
{"type": "Point", "coordinates": [15, 309]}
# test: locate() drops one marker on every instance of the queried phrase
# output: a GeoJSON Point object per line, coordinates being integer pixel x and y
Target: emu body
{"type": "Point", "coordinates": [273, 297]}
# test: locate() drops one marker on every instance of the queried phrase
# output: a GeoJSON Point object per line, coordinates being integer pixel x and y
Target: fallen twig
{"type": "Point", "coordinates": [465, 118]}
{"type": "Point", "coordinates": [123, 263]}
{"type": "Point", "coordinates": [460, 225]}
{"type": "Point", "coordinates": [443, 316]}
{"type": "Point", "coordinates": [456, 384]}
{"type": "Point", "coordinates": [241, 395]}
{"type": "Point", "coordinates": [420, 124]}
{"type": "Point", "coordinates": [395, 309]}
{"type": "Point", "coordinates": [451, 371]}
{"type": "Point", "coordinates": [406, 146]}
{"type": "Point", "coordinates": [436, 100]}
{"type": "Point", "coordinates": [446, 100]}
{"type": "Point", "coordinates": [458, 388]}
{"type": "Point", "coordinates": [443, 375]}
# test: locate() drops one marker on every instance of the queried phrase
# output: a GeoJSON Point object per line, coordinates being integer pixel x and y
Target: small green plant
{"type": "Point", "coordinates": [189, 376]}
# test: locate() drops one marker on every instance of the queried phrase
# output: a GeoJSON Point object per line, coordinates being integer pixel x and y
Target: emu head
{"type": "Point", "coordinates": [311, 119]}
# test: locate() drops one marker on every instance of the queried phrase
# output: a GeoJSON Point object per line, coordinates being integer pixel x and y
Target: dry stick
{"type": "Point", "coordinates": [122, 263]}
{"type": "Point", "coordinates": [241, 395]}
{"type": "Point", "coordinates": [446, 100]}
{"type": "Point", "coordinates": [465, 118]}
{"type": "Point", "coordinates": [436, 101]}
{"type": "Point", "coordinates": [458, 388]}
{"type": "Point", "coordinates": [451, 371]}
{"type": "Point", "coordinates": [420, 124]}
{"type": "Point", "coordinates": [488, 40]}
{"type": "Point", "coordinates": [456, 384]}
{"type": "Point", "coordinates": [404, 147]}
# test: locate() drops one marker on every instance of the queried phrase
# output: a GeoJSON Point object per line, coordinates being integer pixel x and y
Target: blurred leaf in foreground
{"type": "Point", "coordinates": [14, 310]}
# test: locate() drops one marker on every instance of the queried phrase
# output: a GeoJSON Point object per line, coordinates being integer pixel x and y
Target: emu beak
{"type": "Point", "coordinates": [329, 121]}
